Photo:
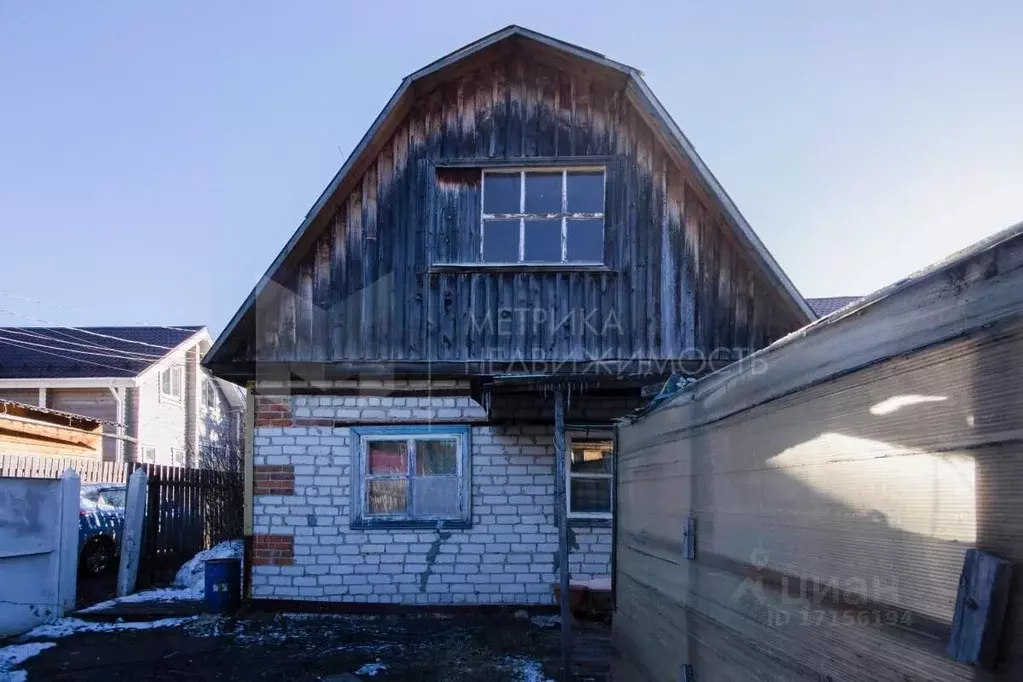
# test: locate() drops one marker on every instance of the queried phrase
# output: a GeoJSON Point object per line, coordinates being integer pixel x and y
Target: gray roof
{"type": "Point", "coordinates": [828, 305]}
{"type": "Point", "coordinates": [85, 352]}
{"type": "Point", "coordinates": [646, 99]}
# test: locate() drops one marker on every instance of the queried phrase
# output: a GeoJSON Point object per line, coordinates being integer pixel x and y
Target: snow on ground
{"type": "Point", "coordinates": [189, 582]}
{"type": "Point", "coordinates": [14, 655]}
{"type": "Point", "coordinates": [192, 576]}
{"type": "Point", "coordinates": [70, 626]}
{"type": "Point", "coordinates": [161, 594]}
{"type": "Point", "coordinates": [371, 669]}
{"type": "Point", "coordinates": [527, 670]}
{"type": "Point", "coordinates": [596, 584]}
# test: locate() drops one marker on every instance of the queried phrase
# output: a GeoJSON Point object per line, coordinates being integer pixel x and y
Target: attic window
{"type": "Point", "coordinates": [543, 216]}
{"type": "Point", "coordinates": [171, 381]}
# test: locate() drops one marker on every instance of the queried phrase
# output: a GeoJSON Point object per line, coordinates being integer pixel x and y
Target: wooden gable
{"type": "Point", "coordinates": [386, 276]}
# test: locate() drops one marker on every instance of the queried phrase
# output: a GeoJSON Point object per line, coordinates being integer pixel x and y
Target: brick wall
{"type": "Point", "coordinates": [508, 555]}
{"type": "Point", "coordinates": [273, 550]}
{"type": "Point", "coordinates": [275, 479]}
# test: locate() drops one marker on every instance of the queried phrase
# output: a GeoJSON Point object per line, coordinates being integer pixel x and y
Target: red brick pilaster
{"type": "Point", "coordinates": [273, 410]}
{"type": "Point", "coordinates": [273, 550]}
{"type": "Point", "coordinates": [274, 479]}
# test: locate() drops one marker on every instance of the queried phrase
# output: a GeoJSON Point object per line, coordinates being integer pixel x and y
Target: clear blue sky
{"type": "Point", "coordinates": [154, 157]}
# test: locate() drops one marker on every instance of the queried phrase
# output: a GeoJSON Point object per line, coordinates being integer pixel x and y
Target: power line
{"type": "Point", "coordinates": [86, 312]}
{"type": "Point", "coordinates": [111, 355]}
{"type": "Point", "coordinates": [91, 346]}
{"type": "Point", "coordinates": [62, 357]}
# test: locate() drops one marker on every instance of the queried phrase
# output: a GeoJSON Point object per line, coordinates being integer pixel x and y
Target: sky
{"type": "Point", "coordinates": [155, 157]}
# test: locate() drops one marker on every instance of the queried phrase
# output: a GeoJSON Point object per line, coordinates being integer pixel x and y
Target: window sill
{"type": "Point", "coordinates": [440, 268]}
{"type": "Point", "coordinates": [589, 522]}
{"type": "Point", "coordinates": [376, 524]}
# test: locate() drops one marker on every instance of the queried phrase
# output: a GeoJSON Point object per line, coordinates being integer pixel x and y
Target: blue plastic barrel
{"type": "Point", "coordinates": [223, 585]}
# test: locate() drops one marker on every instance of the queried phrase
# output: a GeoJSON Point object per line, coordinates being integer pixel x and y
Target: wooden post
{"type": "Point", "coordinates": [131, 537]}
{"type": "Point", "coordinates": [561, 513]}
{"type": "Point", "coordinates": [248, 453]}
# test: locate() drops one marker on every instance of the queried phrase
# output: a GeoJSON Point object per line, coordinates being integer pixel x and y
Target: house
{"type": "Point", "coordinates": [828, 305]}
{"type": "Point", "coordinates": [33, 430]}
{"type": "Point", "coordinates": [145, 384]}
{"type": "Point", "coordinates": [853, 509]}
{"type": "Point", "coordinates": [520, 247]}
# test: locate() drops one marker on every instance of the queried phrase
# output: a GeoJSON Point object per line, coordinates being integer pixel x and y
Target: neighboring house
{"type": "Point", "coordinates": [33, 430]}
{"type": "Point", "coordinates": [148, 380]}
{"type": "Point", "coordinates": [523, 220]}
{"type": "Point", "coordinates": [826, 306]}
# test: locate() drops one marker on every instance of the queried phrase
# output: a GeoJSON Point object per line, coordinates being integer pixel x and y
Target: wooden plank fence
{"type": "Point", "coordinates": [39, 466]}
{"type": "Point", "coordinates": [188, 510]}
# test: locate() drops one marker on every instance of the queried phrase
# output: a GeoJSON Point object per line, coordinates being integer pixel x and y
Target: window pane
{"type": "Point", "coordinates": [387, 496]}
{"type": "Point", "coordinates": [176, 375]}
{"type": "Point", "coordinates": [165, 381]}
{"type": "Point", "coordinates": [543, 192]}
{"type": "Point", "coordinates": [387, 456]}
{"type": "Point", "coordinates": [591, 458]}
{"type": "Point", "coordinates": [543, 241]}
{"type": "Point", "coordinates": [590, 494]}
{"type": "Point", "coordinates": [435, 496]}
{"type": "Point", "coordinates": [501, 192]}
{"type": "Point", "coordinates": [435, 457]}
{"type": "Point", "coordinates": [500, 241]}
{"type": "Point", "coordinates": [585, 240]}
{"type": "Point", "coordinates": [585, 192]}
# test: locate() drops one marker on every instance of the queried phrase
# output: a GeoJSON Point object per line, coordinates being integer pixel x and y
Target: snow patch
{"type": "Point", "coordinates": [527, 670]}
{"type": "Point", "coordinates": [162, 594]}
{"type": "Point", "coordinates": [189, 582]}
{"type": "Point", "coordinates": [371, 669]}
{"type": "Point", "coordinates": [546, 622]}
{"type": "Point", "coordinates": [14, 655]}
{"type": "Point", "coordinates": [595, 584]}
{"type": "Point", "coordinates": [70, 626]}
{"type": "Point", "coordinates": [192, 576]}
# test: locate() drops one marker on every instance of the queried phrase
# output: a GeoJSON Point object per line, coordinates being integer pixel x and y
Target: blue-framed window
{"type": "Point", "coordinates": [411, 476]}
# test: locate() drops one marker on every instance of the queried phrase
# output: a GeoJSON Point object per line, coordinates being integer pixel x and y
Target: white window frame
{"type": "Point", "coordinates": [177, 454]}
{"type": "Point", "coordinates": [149, 454]}
{"type": "Point", "coordinates": [361, 436]}
{"type": "Point", "coordinates": [209, 390]}
{"type": "Point", "coordinates": [523, 217]}
{"type": "Point", "coordinates": [588, 436]}
{"type": "Point", "coordinates": [171, 371]}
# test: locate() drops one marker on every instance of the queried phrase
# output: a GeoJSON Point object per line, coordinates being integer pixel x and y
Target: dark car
{"type": "Point", "coordinates": [100, 520]}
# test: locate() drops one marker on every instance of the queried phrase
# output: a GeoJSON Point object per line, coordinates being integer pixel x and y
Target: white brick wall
{"type": "Point", "coordinates": [507, 556]}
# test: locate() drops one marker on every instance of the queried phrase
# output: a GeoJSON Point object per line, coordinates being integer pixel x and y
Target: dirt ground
{"type": "Point", "coordinates": [94, 589]}
{"type": "Point", "coordinates": [469, 648]}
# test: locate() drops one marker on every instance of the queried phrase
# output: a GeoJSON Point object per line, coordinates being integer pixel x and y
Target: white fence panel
{"type": "Point", "coordinates": [38, 550]}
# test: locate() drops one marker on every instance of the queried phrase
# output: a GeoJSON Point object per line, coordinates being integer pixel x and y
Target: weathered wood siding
{"type": "Point", "coordinates": [835, 493]}
{"type": "Point", "coordinates": [678, 284]}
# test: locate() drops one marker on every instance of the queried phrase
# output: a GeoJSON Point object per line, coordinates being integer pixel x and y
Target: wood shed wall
{"type": "Point", "coordinates": [835, 490]}
{"type": "Point", "coordinates": [678, 279]}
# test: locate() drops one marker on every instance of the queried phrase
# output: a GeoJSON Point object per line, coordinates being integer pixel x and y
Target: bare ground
{"type": "Point", "coordinates": [260, 646]}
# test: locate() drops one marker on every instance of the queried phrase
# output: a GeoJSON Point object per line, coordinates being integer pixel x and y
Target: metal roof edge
{"type": "Point", "coordinates": [952, 260]}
